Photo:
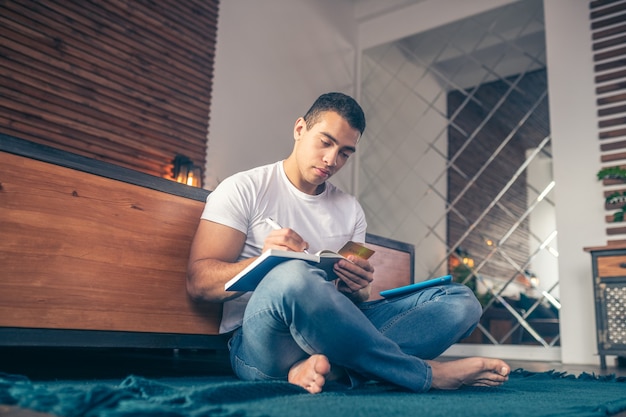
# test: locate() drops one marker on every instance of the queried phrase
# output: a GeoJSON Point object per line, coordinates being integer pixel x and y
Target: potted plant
{"type": "Point", "coordinates": [618, 175]}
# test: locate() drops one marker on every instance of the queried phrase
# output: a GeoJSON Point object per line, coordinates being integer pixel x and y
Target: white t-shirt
{"type": "Point", "coordinates": [244, 200]}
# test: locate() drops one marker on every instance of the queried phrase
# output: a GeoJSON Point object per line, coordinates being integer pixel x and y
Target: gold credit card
{"type": "Point", "coordinates": [352, 248]}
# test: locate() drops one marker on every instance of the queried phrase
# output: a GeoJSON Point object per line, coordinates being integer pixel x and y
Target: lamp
{"type": "Point", "coordinates": [185, 172]}
{"type": "Point", "coordinates": [460, 256]}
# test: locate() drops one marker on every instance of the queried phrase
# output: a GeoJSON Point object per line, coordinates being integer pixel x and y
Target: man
{"type": "Point", "coordinates": [296, 325]}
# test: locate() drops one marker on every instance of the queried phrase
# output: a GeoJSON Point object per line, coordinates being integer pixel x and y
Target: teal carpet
{"type": "Point", "coordinates": [526, 394]}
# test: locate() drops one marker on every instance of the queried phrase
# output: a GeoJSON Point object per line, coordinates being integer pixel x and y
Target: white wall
{"type": "Point", "coordinates": [576, 157]}
{"type": "Point", "coordinates": [273, 59]}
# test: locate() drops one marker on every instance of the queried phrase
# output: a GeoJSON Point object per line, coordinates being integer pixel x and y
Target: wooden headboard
{"type": "Point", "coordinates": [89, 246]}
{"type": "Point", "coordinates": [393, 263]}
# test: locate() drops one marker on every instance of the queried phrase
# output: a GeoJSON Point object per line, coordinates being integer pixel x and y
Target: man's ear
{"type": "Point", "coordinates": [299, 128]}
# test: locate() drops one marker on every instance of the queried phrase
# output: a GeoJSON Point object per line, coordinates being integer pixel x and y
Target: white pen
{"type": "Point", "coordinates": [277, 226]}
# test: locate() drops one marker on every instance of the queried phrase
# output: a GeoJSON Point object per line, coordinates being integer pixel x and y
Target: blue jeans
{"type": "Point", "coordinates": [295, 313]}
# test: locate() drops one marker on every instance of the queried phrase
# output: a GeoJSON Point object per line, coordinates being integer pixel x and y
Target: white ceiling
{"type": "Point", "coordinates": [511, 35]}
{"type": "Point", "coordinates": [366, 9]}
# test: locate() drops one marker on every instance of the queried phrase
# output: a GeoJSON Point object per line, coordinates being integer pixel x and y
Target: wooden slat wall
{"type": "Point", "coordinates": [123, 81]}
{"type": "Point", "coordinates": [608, 24]}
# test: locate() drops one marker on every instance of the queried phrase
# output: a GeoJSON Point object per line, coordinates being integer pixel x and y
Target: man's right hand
{"type": "Point", "coordinates": [285, 239]}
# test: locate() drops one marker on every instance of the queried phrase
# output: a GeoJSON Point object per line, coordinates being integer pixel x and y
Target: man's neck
{"type": "Point", "coordinates": [294, 177]}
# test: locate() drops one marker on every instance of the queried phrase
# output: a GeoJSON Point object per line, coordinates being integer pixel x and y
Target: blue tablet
{"type": "Point", "coordinates": [446, 279]}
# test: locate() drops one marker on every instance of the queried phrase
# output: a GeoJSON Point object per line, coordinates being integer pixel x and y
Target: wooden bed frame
{"type": "Point", "coordinates": [95, 255]}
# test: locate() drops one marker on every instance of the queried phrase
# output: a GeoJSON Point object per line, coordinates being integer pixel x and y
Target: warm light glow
{"type": "Point", "coordinates": [468, 261]}
{"type": "Point", "coordinates": [458, 258]}
{"type": "Point", "coordinates": [185, 172]}
{"type": "Point", "coordinates": [489, 242]}
{"type": "Point", "coordinates": [181, 178]}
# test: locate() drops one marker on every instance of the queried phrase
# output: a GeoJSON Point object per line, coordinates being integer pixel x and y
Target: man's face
{"type": "Point", "coordinates": [323, 149]}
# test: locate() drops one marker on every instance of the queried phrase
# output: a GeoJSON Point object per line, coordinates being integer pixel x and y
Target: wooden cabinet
{"type": "Point", "coordinates": [609, 288]}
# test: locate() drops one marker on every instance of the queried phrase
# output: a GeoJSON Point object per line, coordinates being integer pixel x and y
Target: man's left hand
{"type": "Point", "coordinates": [355, 277]}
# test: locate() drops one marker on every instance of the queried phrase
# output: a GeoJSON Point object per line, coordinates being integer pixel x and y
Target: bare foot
{"type": "Point", "coordinates": [481, 372]}
{"type": "Point", "coordinates": [310, 373]}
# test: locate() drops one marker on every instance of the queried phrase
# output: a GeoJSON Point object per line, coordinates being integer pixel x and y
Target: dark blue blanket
{"type": "Point", "coordinates": [526, 394]}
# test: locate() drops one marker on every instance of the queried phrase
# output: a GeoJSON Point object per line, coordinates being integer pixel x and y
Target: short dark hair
{"type": "Point", "coordinates": [340, 103]}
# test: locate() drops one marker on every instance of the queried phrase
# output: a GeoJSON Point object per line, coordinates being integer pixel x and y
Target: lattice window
{"type": "Point", "coordinates": [457, 160]}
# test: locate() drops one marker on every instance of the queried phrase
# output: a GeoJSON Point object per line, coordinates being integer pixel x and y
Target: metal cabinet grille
{"type": "Point", "coordinates": [609, 289]}
{"type": "Point", "coordinates": [612, 302]}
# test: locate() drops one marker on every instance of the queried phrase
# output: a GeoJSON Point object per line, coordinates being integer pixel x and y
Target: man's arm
{"type": "Point", "coordinates": [213, 261]}
{"type": "Point", "coordinates": [214, 253]}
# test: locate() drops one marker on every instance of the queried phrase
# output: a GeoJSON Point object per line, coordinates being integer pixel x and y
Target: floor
{"type": "Point", "coordinates": [57, 363]}
{"type": "Point", "coordinates": [54, 364]}
{"type": "Point", "coordinates": [534, 366]}
{"type": "Point", "coordinates": [41, 364]}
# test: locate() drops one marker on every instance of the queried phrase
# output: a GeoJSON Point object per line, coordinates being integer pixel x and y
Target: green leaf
{"type": "Point", "coordinates": [612, 173]}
